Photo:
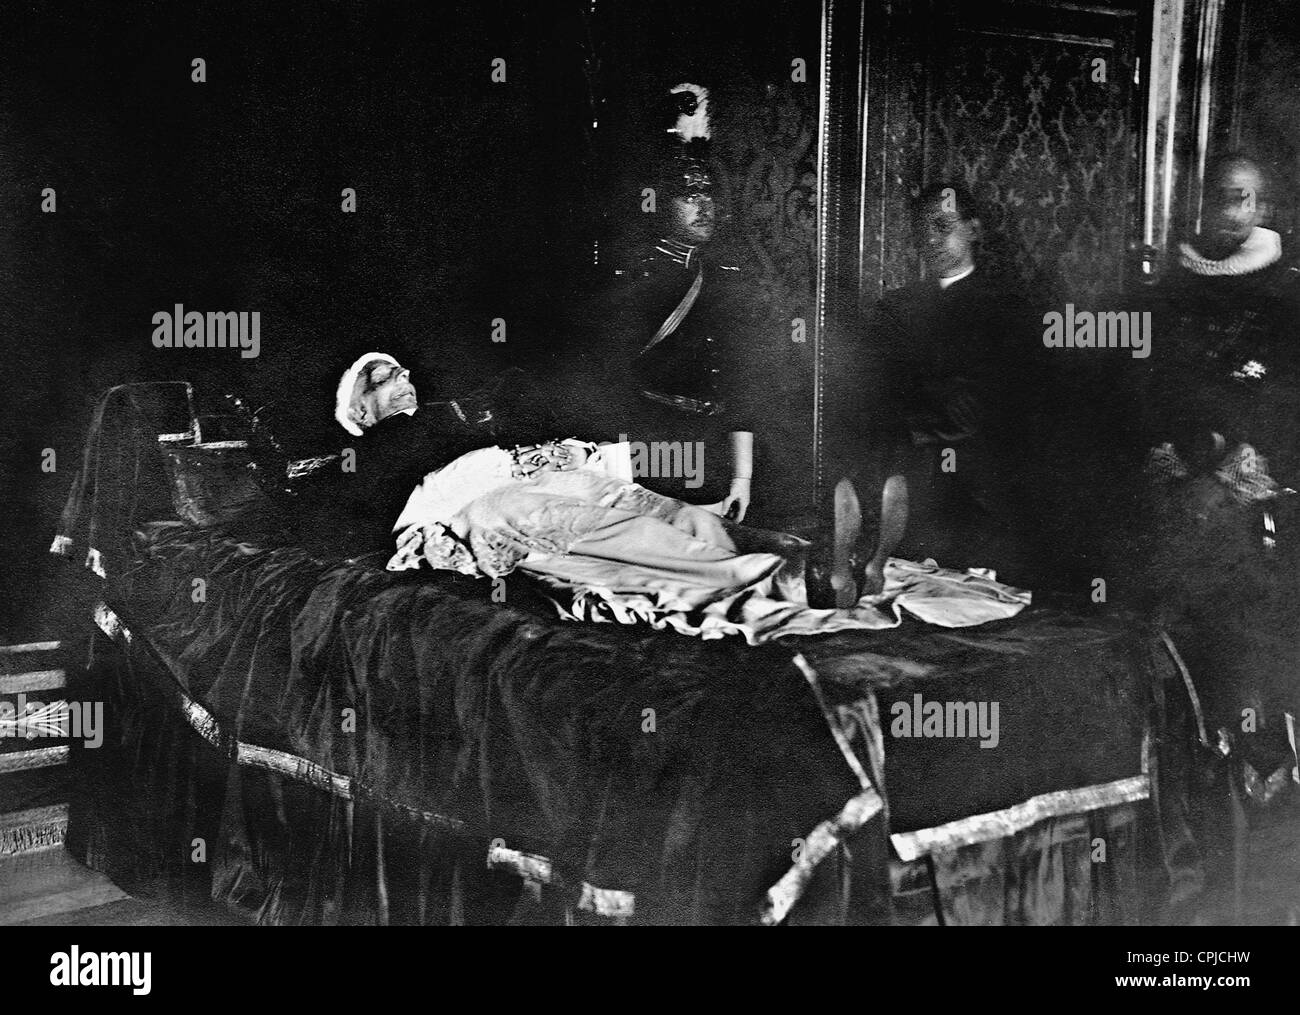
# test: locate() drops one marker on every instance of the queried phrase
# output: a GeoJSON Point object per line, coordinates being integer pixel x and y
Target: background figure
{"type": "Point", "coordinates": [1227, 312]}
{"type": "Point", "coordinates": [1221, 397]}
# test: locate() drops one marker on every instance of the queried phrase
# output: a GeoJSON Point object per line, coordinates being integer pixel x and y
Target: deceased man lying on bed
{"type": "Point", "coordinates": [567, 508]}
{"type": "Point", "coordinates": [568, 513]}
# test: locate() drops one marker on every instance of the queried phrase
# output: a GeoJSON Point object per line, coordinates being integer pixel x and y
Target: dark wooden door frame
{"type": "Point", "coordinates": [842, 107]}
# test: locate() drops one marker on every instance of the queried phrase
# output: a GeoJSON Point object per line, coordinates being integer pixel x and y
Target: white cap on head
{"type": "Point", "coordinates": [343, 398]}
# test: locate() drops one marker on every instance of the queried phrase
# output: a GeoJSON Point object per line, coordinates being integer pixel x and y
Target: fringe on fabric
{"type": "Point", "coordinates": [30, 837]}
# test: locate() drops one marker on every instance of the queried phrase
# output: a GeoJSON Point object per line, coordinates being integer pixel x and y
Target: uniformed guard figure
{"type": "Point", "coordinates": [684, 304]}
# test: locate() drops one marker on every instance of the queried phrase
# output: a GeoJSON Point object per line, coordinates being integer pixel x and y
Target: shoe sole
{"type": "Point", "coordinates": [848, 530]}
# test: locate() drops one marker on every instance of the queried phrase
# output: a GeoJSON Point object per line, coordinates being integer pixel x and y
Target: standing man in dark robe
{"type": "Point", "coordinates": [938, 402]}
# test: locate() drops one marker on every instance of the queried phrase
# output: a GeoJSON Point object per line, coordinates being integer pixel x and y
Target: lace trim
{"type": "Point", "coordinates": [1262, 248]}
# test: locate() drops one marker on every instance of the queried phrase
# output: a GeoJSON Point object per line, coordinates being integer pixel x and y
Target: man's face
{"type": "Point", "coordinates": [947, 241]}
{"type": "Point", "coordinates": [1232, 208]}
{"type": "Point", "coordinates": [384, 388]}
{"type": "Point", "coordinates": [694, 218]}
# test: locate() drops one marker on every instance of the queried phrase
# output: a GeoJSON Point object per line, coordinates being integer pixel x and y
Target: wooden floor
{"type": "Point", "coordinates": [49, 888]}
{"type": "Point", "coordinates": [1271, 893]}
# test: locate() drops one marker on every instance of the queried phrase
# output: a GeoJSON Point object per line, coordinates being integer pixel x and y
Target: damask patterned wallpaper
{"type": "Point", "coordinates": [1048, 152]}
{"type": "Point", "coordinates": [1024, 118]}
{"type": "Point", "coordinates": [765, 154]}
